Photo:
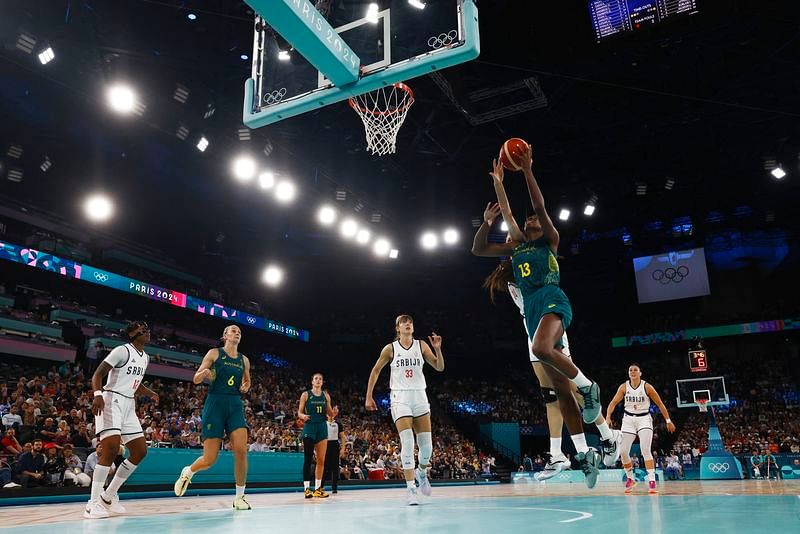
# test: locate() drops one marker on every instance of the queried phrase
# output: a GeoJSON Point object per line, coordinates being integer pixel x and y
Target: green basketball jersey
{"type": "Point", "coordinates": [535, 266]}
{"type": "Point", "coordinates": [315, 407]}
{"type": "Point", "coordinates": [228, 373]}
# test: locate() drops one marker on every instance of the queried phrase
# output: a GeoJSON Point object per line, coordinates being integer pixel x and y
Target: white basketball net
{"type": "Point", "coordinates": [383, 112]}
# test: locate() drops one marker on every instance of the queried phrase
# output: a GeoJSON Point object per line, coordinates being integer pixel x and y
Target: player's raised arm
{"type": "Point", "coordinates": [480, 243]}
{"type": "Point", "coordinates": [435, 360]}
{"type": "Point", "coordinates": [537, 199]}
{"type": "Point", "coordinates": [497, 175]}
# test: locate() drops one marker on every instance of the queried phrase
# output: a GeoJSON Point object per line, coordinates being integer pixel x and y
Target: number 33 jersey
{"type": "Point", "coordinates": [128, 367]}
{"type": "Point", "coordinates": [407, 367]}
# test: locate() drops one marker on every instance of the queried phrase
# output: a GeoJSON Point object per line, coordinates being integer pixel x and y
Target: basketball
{"type": "Point", "coordinates": [511, 153]}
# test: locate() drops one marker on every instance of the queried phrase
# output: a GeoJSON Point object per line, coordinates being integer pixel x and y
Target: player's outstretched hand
{"type": "Point", "coordinates": [370, 405]}
{"type": "Point", "coordinates": [491, 212]}
{"type": "Point", "coordinates": [527, 158]}
{"type": "Point", "coordinates": [435, 340]}
{"type": "Point", "coordinates": [670, 427]}
{"type": "Point", "coordinates": [497, 171]}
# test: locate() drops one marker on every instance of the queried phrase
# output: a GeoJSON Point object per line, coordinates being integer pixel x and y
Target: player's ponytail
{"type": "Point", "coordinates": [499, 279]}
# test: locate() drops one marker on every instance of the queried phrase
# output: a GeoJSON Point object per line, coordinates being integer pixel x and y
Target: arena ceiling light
{"type": "Point", "coordinates": [588, 210]}
{"type": "Point", "coordinates": [778, 173]}
{"type": "Point", "coordinates": [394, 253]}
{"type": "Point", "coordinates": [47, 56]}
{"type": "Point", "coordinates": [191, 16]}
{"type": "Point", "coordinates": [121, 99]}
{"type": "Point", "coordinates": [450, 236]}
{"type": "Point", "coordinates": [504, 226]}
{"type": "Point", "coordinates": [382, 247]}
{"type": "Point", "coordinates": [417, 3]}
{"type": "Point", "coordinates": [283, 55]}
{"type": "Point", "coordinates": [285, 191]}
{"type": "Point", "coordinates": [372, 13]}
{"type": "Point", "coordinates": [266, 180]}
{"type": "Point", "coordinates": [564, 214]}
{"type": "Point", "coordinates": [244, 168]}
{"type": "Point", "coordinates": [429, 241]}
{"type": "Point", "coordinates": [348, 228]}
{"type": "Point", "coordinates": [326, 215]}
{"type": "Point", "coordinates": [202, 144]}
{"type": "Point", "coordinates": [98, 207]}
{"type": "Point", "coordinates": [272, 276]}
{"type": "Point", "coordinates": [362, 236]}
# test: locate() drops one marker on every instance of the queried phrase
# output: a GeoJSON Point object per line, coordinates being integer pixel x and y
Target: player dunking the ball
{"type": "Point", "coordinates": [411, 411]}
{"type": "Point", "coordinates": [228, 371]}
{"type": "Point", "coordinates": [637, 421]}
{"type": "Point", "coordinates": [115, 419]}
{"type": "Point", "coordinates": [547, 309]}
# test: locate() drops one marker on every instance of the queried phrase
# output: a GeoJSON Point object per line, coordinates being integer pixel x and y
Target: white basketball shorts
{"type": "Point", "coordinates": [409, 403]}
{"type": "Point", "coordinates": [118, 418]}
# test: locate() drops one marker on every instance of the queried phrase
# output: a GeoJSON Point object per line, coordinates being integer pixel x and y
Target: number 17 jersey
{"type": "Point", "coordinates": [407, 366]}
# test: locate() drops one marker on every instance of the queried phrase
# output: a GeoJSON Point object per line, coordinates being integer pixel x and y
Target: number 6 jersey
{"type": "Point", "coordinates": [128, 367]}
{"type": "Point", "coordinates": [407, 367]}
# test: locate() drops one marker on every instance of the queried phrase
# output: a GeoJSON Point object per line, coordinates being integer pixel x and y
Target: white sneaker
{"type": "Point", "coordinates": [182, 484]}
{"type": "Point", "coordinates": [411, 496]}
{"type": "Point", "coordinates": [114, 505]}
{"type": "Point", "coordinates": [552, 468]}
{"type": "Point", "coordinates": [424, 483]}
{"type": "Point", "coordinates": [611, 452]}
{"type": "Point", "coordinates": [95, 510]}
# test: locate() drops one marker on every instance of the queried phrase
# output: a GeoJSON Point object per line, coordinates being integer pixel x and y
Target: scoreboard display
{"type": "Point", "coordinates": [614, 17]}
{"type": "Point", "coordinates": [698, 361]}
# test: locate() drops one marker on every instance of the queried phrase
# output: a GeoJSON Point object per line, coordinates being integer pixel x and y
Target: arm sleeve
{"type": "Point", "coordinates": [117, 357]}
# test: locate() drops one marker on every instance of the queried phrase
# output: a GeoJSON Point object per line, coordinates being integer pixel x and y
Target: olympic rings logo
{"type": "Point", "coordinates": [671, 275]}
{"type": "Point", "coordinates": [275, 96]}
{"type": "Point", "coordinates": [101, 277]}
{"type": "Point", "coordinates": [251, 320]}
{"type": "Point", "coordinates": [443, 39]}
{"type": "Point", "coordinates": [719, 468]}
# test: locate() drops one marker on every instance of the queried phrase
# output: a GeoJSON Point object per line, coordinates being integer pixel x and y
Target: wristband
{"type": "Point", "coordinates": [669, 421]}
{"type": "Point", "coordinates": [98, 393]}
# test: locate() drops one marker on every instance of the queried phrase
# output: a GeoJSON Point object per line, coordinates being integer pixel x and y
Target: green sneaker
{"type": "Point", "coordinates": [591, 402]}
{"type": "Point", "coordinates": [589, 461]}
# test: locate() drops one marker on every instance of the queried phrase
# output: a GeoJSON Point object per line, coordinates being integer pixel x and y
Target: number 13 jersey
{"type": "Point", "coordinates": [407, 367]}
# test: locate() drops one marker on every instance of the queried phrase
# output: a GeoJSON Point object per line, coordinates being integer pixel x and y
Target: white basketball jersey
{"type": "Point", "coordinates": [128, 367]}
{"type": "Point", "coordinates": [637, 401]}
{"type": "Point", "coordinates": [516, 295]}
{"type": "Point", "coordinates": [407, 367]}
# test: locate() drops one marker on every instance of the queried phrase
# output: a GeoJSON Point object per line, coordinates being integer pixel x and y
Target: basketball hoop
{"type": "Point", "coordinates": [702, 405]}
{"type": "Point", "coordinates": [383, 112]}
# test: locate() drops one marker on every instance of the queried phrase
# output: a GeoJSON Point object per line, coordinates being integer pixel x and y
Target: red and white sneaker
{"type": "Point", "coordinates": [651, 487]}
{"type": "Point", "coordinates": [629, 485]}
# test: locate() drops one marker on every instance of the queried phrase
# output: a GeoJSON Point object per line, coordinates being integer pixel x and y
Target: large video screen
{"type": "Point", "coordinates": [613, 17]}
{"type": "Point", "coordinates": [88, 273]}
{"type": "Point", "coordinates": [671, 275]}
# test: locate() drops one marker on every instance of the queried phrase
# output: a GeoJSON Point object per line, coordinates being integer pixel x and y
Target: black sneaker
{"type": "Point", "coordinates": [591, 402]}
{"type": "Point", "coordinates": [588, 461]}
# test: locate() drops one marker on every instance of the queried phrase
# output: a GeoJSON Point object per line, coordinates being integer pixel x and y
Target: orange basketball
{"type": "Point", "coordinates": [511, 153]}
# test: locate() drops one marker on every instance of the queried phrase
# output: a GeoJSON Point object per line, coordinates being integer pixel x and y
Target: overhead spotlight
{"type": "Point", "coordinates": [358, 207]}
{"type": "Point", "coordinates": [372, 13]}
{"type": "Point", "coordinates": [15, 175]}
{"type": "Point", "coordinates": [504, 226]}
{"type": "Point", "coordinates": [450, 236]}
{"type": "Point", "coordinates": [266, 180]}
{"type": "Point", "coordinates": [778, 173]}
{"type": "Point", "coordinates": [588, 210]}
{"type": "Point", "coordinates": [202, 144]}
{"type": "Point", "coordinates": [121, 99]}
{"type": "Point", "coordinates": [375, 217]}
{"type": "Point", "coordinates": [326, 215]}
{"type": "Point", "coordinates": [285, 191]}
{"type": "Point", "coordinates": [641, 189]}
{"type": "Point", "coordinates": [381, 247]}
{"type": "Point", "coordinates": [244, 168]}
{"type": "Point", "coordinates": [283, 55]}
{"type": "Point", "coordinates": [417, 3]}
{"type": "Point", "coordinates": [341, 195]}
{"type": "Point", "coordinates": [362, 236]}
{"type": "Point", "coordinates": [26, 42]}
{"type": "Point", "coordinates": [394, 253]}
{"type": "Point", "coordinates": [98, 208]}
{"type": "Point", "coordinates": [244, 134]}
{"type": "Point", "coordinates": [210, 110]}
{"type": "Point", "coordinates": [564, 214]}
{"type": "Point", "coordinates": [348, 228]}
{"type": "Point", "coordinates": [669, 183]}
{"type": "Point", "coordinates": [182, 132]}
{"type": "Point", "coordinates": [244, 57]}
{"type": "Point", "coordinates": [429, 241]}
{"type": "Point", "coordinates": [191, 16]}
{"type": "Point", "coordinates": [272, 275]}
{"type": "Point", "coordinates": [46, 164]}
{"type": "Point", "coordinates": [47, 56]}
{"type": "Point", "coordinates": [15, 151]}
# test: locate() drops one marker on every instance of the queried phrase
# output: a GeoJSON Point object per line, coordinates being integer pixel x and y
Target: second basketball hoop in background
{"type": "Point", "coordinates": [383, 113]}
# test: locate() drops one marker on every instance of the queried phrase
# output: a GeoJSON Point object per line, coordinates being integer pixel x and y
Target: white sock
{"type": "Point", "coordinates": [187, 472]}
{"type": "Point", "coordinates": [99, 477]}
{"type": "Point", "coordinates": [555, 448]}
{"type": "Point", "coordinates": [306, 483]}
{"type": "Point", "coordinates": [580, 380]}
{"type": "Point", "coordinates": [605, 432]}
{"type": "Point", "coordinates": [579, 440]}
{"type": "Point", "coordinates": [410, 484]}
{"type": "Point", "coordinates": [239, 491]}
{"type": "Point", "coordinates": [317, 483]}
{"type": "Point", "coordinates": [124, 470]}
{"type": "Point", "coordinates": [651, 475]}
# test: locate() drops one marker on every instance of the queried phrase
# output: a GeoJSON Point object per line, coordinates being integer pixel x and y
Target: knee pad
{"type": "Point", "coordinates": [549, 395]}
{"type": "Point", "coordinates": [407, 448]}
{"type": "Point", "coordinates": [425, 442]}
